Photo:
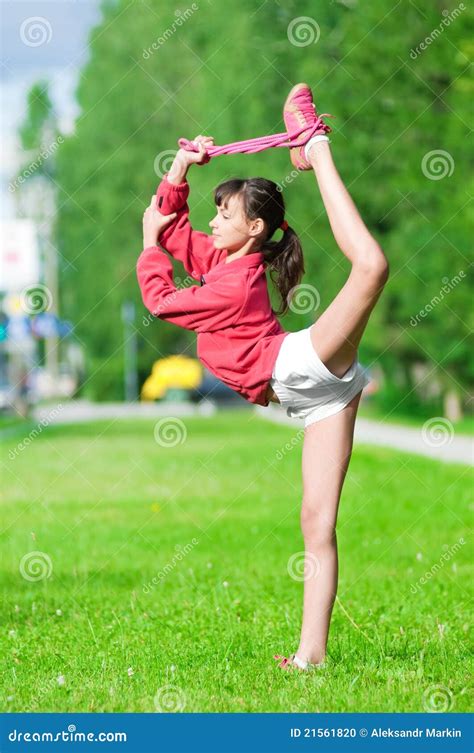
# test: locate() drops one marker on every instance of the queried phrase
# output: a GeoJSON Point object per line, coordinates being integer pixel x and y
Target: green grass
{"type": "Point", "coordinates": [12, 421]}
{"type": "Point", "coordinates": [112, 508]}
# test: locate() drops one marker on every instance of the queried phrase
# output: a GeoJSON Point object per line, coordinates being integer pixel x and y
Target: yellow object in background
{"type": "Point", "coordinates": [175, 371]}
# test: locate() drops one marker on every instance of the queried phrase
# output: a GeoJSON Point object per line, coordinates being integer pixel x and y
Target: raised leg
{"type": "Point", "coordinates": [327, 450]}
{"type": "Point", "coordinates": [337, 333]}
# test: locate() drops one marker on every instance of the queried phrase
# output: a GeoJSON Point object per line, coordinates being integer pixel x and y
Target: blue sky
{"type": "Point", "coordinates": [40, 39]}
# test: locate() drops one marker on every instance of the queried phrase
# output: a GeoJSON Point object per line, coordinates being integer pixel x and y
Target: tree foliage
{"type": "Point", "coordinates": [156, 74]}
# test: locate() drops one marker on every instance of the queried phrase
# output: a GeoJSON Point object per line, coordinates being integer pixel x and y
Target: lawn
{"type": "Point", "coordinates": [162, 582]}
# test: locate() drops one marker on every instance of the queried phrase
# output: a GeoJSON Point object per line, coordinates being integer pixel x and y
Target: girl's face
{"type": "Point", "coordinates": [230, 227]}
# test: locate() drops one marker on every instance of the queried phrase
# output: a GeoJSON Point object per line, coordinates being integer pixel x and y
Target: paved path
{"type": "Point", "coordinates": [76, 411]}
{"type": "Point", "coordinates": [437, 445]}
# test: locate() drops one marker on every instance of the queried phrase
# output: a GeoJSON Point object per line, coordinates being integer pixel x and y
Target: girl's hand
{"type": "Point", "coordinates": [197, 158]}
{"type": "Point", "coordinates": [184, 159]}
{"type": "Point", "coordinates": [154, 223]}
{"type": "Point", "coordinates": [201, 157]}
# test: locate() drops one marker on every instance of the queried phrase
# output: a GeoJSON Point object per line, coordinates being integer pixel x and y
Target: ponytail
{"type": "Point", "coordinates": [286, 265]}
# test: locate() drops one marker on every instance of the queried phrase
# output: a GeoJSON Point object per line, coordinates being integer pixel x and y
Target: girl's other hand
{"type": "Point", "coordinates": [154, 223]}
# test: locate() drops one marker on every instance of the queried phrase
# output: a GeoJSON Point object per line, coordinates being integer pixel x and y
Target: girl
{"type": "Point", "coordinates": [313, 373]}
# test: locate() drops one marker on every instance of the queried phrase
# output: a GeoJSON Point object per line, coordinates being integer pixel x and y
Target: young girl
{"type": "Point", "coordinates": [313, 373]}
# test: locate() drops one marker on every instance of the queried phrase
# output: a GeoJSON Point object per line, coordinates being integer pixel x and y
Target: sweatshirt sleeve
{"type": "Point", "coordinates": [194, 249]}
{"type": "Point", "coordinates": [211, 307]}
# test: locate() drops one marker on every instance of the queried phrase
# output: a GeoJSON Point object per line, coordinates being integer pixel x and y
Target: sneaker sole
{"type": "Point", "coordinates": [297, 152]}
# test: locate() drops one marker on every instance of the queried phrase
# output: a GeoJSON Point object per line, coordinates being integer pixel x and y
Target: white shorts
{"type": "Point", "coordinates": [304, 385]}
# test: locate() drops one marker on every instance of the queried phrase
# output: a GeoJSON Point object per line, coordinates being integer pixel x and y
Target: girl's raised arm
{"type": "Point", "coordinates": [184, 159]}
{"type": "Point", "coordinates": [196, 250]}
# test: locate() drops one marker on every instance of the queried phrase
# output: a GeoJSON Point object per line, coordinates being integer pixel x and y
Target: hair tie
{"type": "Point", "coordinates": [284, 225]}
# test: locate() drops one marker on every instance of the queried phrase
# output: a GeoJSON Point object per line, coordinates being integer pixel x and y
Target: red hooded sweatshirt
{"type": "Point", "coordinates": [238, 335]}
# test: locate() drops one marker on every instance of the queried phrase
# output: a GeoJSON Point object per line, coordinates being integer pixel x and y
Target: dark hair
{"type": "Point", "coordinates": [263, 198]}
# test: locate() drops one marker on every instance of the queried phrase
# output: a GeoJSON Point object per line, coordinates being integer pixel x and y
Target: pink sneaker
{"type": "Point", "coordinates": [302, 122]}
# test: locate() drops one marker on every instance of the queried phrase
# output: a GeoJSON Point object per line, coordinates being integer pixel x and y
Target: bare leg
{"type": "Point", "coordinates": [327, 451]}
{"type": "Point", "coordinates": [337, 333]}
{"type": "Point", "coordinates": [328, 443]}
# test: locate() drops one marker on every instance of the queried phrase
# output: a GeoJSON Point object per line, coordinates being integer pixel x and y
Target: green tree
{"type": "Point", "coordinates": [155, 75]}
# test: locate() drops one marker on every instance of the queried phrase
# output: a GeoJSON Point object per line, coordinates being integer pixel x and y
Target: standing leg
{"type": "Point", "coordinates": [327, 451]}
{"type": "Point", "coordinates": [337, 333]}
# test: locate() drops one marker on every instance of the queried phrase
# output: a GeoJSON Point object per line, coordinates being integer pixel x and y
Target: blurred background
{"type": "Point", "coordinates": [95, 96]}
{"type": "Point", "coordinates": [147, 555]}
